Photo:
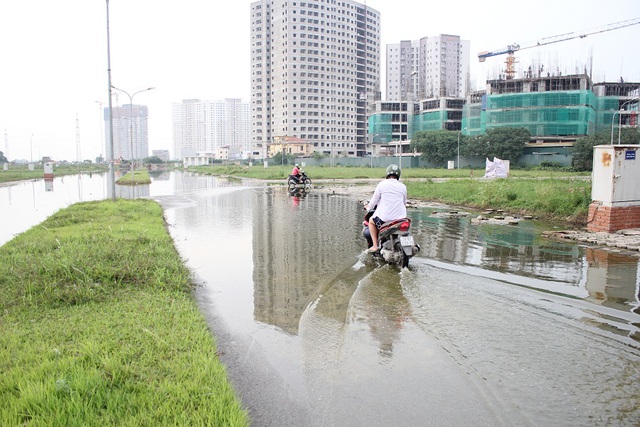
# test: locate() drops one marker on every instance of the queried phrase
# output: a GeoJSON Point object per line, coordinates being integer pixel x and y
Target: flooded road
{"type": "Point", "coordinates": [490, 325]}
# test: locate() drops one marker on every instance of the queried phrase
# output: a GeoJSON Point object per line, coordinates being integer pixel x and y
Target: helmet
{"type": "Point", "coordinates": [393, 170]}
{"type": "Point", "coordinates": [297, 165]}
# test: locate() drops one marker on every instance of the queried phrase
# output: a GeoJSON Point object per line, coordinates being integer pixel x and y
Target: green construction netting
{"type": "Point", "coordinates": [556, 113]}
{"type": "Point", "coordinates": [566, 113]}
{"type": "Point", "coordinates": [380, 128]}
{"type": "Point", "coordinates": [542, 99]}
{"type": "Point", "coordinates": [432, 120]}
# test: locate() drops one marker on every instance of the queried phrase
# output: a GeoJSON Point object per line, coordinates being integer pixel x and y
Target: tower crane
{"type": "Point", "coordinates": [512, 48]}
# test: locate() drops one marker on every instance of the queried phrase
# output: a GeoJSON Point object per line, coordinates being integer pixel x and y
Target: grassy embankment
{"type": "Point", "coordinates": [138, 177]}
{"type": "Point", "coordinates": [99, 326]}
{"type": "Point", "coordinates": [22, 172]}
{"type": "Point", "coordinates": [561, 196]}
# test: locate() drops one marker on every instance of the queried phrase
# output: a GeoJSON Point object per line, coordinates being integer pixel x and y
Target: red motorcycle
{"type": "Point", "coordinates": [394, 239]}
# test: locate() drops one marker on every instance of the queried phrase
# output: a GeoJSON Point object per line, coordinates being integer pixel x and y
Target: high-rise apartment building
{"type": "Point", "coordinates": [207, 126]}
{"type": "Point", "coordinates": [315, 71]}
{"type": "Point", "coordinates": [431, 67]}
{"type": "Point", "coordinates": [130, 132]}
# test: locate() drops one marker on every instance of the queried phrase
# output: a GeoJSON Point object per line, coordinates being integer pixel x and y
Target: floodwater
{"type": "Point", "coordinates": [490, 325]}
{"type": "Point", "coordinates": [24, 204]}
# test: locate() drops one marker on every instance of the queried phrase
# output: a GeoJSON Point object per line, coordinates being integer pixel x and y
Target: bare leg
{"type": "Point", "coordinates": [374, 236]}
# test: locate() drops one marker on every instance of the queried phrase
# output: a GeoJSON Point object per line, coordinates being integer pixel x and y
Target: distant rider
{"type": "Point", "coordinates": [296, 172]}
{"type": "Point", "coordinates": [390, 202]}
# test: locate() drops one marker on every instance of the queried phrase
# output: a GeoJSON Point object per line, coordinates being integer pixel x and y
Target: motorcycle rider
{"type": "Point", "coordinates": [296, 172]}
{"type": "Point", "coordinates": [390, 200]}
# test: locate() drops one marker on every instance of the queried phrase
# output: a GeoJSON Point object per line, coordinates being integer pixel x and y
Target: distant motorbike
{"type": "Point", "coordinates": [394, 240]}
{"type": "Point", "coordinates": [299, 182]}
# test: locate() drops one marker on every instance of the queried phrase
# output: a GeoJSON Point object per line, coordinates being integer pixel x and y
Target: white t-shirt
{"type": "Point", "coordinates": [391, 197]}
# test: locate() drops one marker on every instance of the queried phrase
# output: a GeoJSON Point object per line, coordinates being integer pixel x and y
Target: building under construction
{"type": "Point", "coordinates": [556, 110]}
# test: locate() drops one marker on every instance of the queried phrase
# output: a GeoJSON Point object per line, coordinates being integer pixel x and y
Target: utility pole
{"type": "Point", "coordinates": [111, 160]}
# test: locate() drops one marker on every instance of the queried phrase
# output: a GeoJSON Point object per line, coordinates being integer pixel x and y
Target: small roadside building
{"type": "Point", "coordinates": [290, 145]}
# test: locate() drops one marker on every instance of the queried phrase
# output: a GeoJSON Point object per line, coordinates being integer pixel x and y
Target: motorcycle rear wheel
{"type": "Point", "coordinates": [404, 260]}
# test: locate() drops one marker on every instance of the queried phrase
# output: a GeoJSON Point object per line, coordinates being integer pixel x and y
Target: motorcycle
{"type": "Point", "coordinates": [299, 182]}
{"type": "Point", "coordinates": [394, 240]}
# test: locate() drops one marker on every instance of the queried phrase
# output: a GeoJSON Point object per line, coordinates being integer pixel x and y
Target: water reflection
{"type": "Point", "coordinates": [297, 194]}
{"type": "Point", "coordinates": [383, 310]}
{"type": "Point", "coordinates": [601, 276]}
{"type": "Point", "coordinates": [133, 191]}
{"type": "Point", "coordinates": [613, 280]}
{"type": "Point", "coordinates": [28, 203]}
{"type": "Point", "coordinates": [48, 184]}
{"type": "Point", "coordinates": [294, 246]}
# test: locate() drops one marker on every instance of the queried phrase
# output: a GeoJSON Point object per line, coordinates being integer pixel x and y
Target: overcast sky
{"type": "Point", "coordinates": [53, 56]}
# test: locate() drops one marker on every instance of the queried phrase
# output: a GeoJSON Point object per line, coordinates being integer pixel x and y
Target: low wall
{"type": "Point", "coordinates": [609, 219]}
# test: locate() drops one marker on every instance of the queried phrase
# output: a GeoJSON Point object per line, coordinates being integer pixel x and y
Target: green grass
{"type": "Point", "coordinates": [323, 172]}
{"type": "Point", "coordinates": [565, 200]}
{"type": "Point", "coordinates": [138, 177]}
{"type": "Point", "coordinates": [100, 327]}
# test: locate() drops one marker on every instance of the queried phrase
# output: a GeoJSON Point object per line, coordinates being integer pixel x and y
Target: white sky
{"type": "Point", "coordinates": [53, 56]}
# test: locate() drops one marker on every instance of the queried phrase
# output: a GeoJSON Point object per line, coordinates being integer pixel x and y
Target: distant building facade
{"type": "Point", "coordinates": [130, 132]}
{"type": "Point", "coordinates": [207, 126]}
{"type": "Point", "coordinates": [315, 72]}
{"type": "Point", "coordinates": [431, 67]}
{"type": "Point", "coordinates": [291, 146]}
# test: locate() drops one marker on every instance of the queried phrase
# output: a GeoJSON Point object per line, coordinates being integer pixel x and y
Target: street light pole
{"type": "Point", "coordinates": [111, 160]}
{"type": "Point", "coordinates": [372, 136]}
{"type": "Point", "coordinates": [31, 147]}
{"type": "Point", "coordinates": [613, 116]}
{"type": "Point", "coordinates": [409, 112]}
{"type": "Point", "coordinates": [620, 116]}
{"type": "Point", "coordinates": [131, 121]}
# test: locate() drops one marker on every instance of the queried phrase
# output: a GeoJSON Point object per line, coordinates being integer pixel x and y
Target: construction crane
{"type": "Point", "coordinates": [512, 48]}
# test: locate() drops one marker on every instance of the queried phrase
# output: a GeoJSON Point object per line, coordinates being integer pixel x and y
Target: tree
{"type": "Point", "coordinates": [3, 159]}
{"type": "Point", "coordinates": [282, 158]}
{"type": "Point", "coordinates": [436, 146]}
{"type": "Point", "coordinates": [582, 150]}
{"type": "Point", "coordinates": [439, 146]}
{"type": "Point", "coordinates": [153, 160]}
{"type": "Point", "coordinates": [503, 143]}
{"type": "Point", "coordinates": [629, 136]}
